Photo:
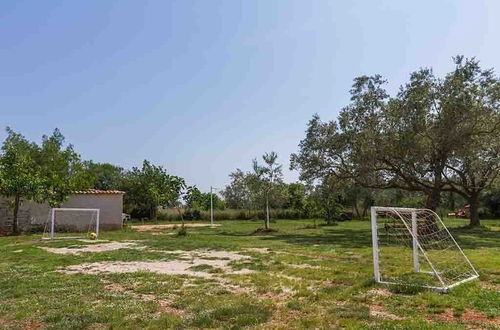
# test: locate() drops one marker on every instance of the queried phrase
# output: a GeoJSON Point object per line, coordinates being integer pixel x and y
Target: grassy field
{"type": "Point", "coordinates": [297, 277]}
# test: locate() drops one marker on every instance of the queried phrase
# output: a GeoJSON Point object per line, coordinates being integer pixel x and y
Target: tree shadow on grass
{"type": "Point", "coordinates": [337, 237]}
{"type": "Point", "coordinates": [473, 238]}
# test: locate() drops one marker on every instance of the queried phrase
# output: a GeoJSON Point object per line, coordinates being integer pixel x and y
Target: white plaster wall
{"type": "Point", "coordinates": [36, 214]}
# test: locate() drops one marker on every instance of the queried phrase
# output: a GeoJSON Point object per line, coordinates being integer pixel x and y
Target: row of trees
{"type": "Point", "coordinates": [263, 188]}
{"type": "Point", "coordinates": [435, 135]}
{"type": "Point", "coordinates": [50, 171]}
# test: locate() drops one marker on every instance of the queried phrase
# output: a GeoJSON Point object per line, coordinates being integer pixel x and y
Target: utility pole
{"type": "Point", "coordinates": [211, 206]}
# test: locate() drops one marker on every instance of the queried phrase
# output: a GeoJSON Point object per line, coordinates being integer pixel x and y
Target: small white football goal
{"type": "Point", "coordinates": [413, 247]}
{"type": "Point", "coordinates": [72, 223]}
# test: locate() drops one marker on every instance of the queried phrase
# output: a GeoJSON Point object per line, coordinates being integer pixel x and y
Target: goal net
{"type": "Point", "coordinates": [413, 247]}
{"type": "Point", "coordinates": [72, 223]}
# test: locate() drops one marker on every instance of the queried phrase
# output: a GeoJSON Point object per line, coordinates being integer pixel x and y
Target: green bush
{"type": "Point", "coordinates": [182, 232]}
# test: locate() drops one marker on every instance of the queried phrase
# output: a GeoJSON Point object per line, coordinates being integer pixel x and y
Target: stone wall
{"type": "Point", "coordinates": [7, 217]}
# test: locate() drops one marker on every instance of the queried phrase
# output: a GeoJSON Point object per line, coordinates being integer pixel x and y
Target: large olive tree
{"type": "Point", "coordinates": [434, 135]}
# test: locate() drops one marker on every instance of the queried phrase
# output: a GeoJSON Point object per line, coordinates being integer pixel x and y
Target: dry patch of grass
{"type": "Point", "coordinates": [258, 250]}
{"type": "Point", "coordinates": [25, 324]}
{"type": "Point", "coordinates": [469, 316]}
{"type": "Point", "coordinates": [165, 305]}
{"type": "Point", "coordinates": [195, 263]}
{"type": "Point", "coordinates": [91, 248]}
{"type": "Point", "coordinates": [379, 311]}
{"type": "Point", "coordinates": [383, 292]}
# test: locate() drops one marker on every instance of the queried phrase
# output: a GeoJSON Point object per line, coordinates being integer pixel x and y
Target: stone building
{"type": "Point", "coordinates": [33, 216]}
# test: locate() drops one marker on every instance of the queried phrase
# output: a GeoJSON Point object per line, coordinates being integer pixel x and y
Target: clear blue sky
{"type": "Point", "coordinates": [202, 87]}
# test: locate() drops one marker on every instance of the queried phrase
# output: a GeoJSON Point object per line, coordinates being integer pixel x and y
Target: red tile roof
{"type": "Point", "coordinates": [97, 192]}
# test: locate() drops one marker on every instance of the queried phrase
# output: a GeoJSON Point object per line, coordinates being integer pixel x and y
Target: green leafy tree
{"type": "Point", "coordinates": [435, 135]}
{"type": "Point", "coordinates": [46, 173]}
{"type": "Point", "coordinates": [61, 169]}
{"type": "Point", "coordinates": [104, 176]}
{"type": "Point", "coordinates": [296, 193]}
{"type": "Point", "coordinates": [194, 198]}
{"type": "Point", "coordinates": [471, 99]}
{"type": "Point", "coordinates": [150, 187]}
{"type": "Point", "coordinates": [237, 194]}
{"type": "Point", "coordinates": [19, 172]}
{"type": "Point", "coordinates": [327, 200]}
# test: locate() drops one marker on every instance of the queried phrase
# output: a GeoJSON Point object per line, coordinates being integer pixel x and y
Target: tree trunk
{"type": "Point", "coordinates": [434, 193]}
{"type": "Point", "coordinates": [474, 209]}
{"type": "Point", "coordinates": [356, 210]}
{"type": "Point", "coordinates": [365, 211]}
{"type": "Point", "coordinates": [152, 213]}
{"type": "Point", "coordinates": [452, 201]}
{"type": "Point", "coordinates": [433, 198]}
{"type": "Point", "coordinates": [15, 228]}
{"type": "Point", "coordinates": [267, 213]}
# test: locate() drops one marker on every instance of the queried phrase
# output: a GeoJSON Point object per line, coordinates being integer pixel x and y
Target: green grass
{"type": "Point", "coordinates": [309, 278]}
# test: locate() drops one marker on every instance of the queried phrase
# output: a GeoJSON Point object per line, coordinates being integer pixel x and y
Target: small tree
{"type": "Point", "coordinates": [19, 172]}
{"type": "Point", "coordinates": [266, 177]}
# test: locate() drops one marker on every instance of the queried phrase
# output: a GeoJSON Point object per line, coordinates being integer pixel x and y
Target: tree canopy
{"type": "Point", "coordinates": [150, 187]}
{"type": "Point", "coordinates": [434, 135]}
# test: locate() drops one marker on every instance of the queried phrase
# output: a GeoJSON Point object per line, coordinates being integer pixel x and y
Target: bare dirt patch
{"type": "Point", "coordinates": [380, 312]}
{"type": "Point", "coordinates": [383, 292]}
{"type": "Point", "coordinates": [172, 226]}
{"type": "Point", "coordinates": [25, 324]}
{"type": "Point", "coordinates": [92, 248]}
{"type": "Point", "coordinates": [303, 266]}
{"type": "Point", "coordinates": [185, 265]}
{"type": "Point", "coordinates": [469, 316]}
{"type": "Point", "coordinates": [258, 250]}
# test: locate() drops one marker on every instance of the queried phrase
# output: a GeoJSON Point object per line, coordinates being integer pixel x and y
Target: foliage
{"type": "Point", "coordinates": [237, 194]}
{"type": "Point", "coordinates": [150, 187]}
{"type": "Point", "coordinates": [264, 180]}
{"type": "Point", "coordinates": [491, 202]}
{"type": "Point", "coordinates": [104, 176]}
{"type": "Point", "coordinates": [61, 169]}
{"type": "Point", "coordinates": [435, 135]}
{"type": "Point", "coordinates": [45, 173]}
{"type": "Point", "coordinates": [19, 171]}
{"type": "Point", "coordinates": [195, 199]}
{"type": "Point", "coordinates": [182, 231]}
{"type": "Point", "coordinates": [296, 198]}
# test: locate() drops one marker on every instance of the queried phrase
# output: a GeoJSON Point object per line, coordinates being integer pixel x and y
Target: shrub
{"type": "Point", "coordinates": [182, 231]}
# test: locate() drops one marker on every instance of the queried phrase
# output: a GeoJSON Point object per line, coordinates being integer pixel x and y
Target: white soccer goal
{"type": "Point", "coordinates": [65, 222]}
{"type": "Point", "coordinates": [414, 247]}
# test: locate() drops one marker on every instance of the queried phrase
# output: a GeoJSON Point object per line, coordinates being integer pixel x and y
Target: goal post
{"type": "Point", "coordinates": [72, 220]}
{"type": "Point", "coordinates": [413, 247]}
